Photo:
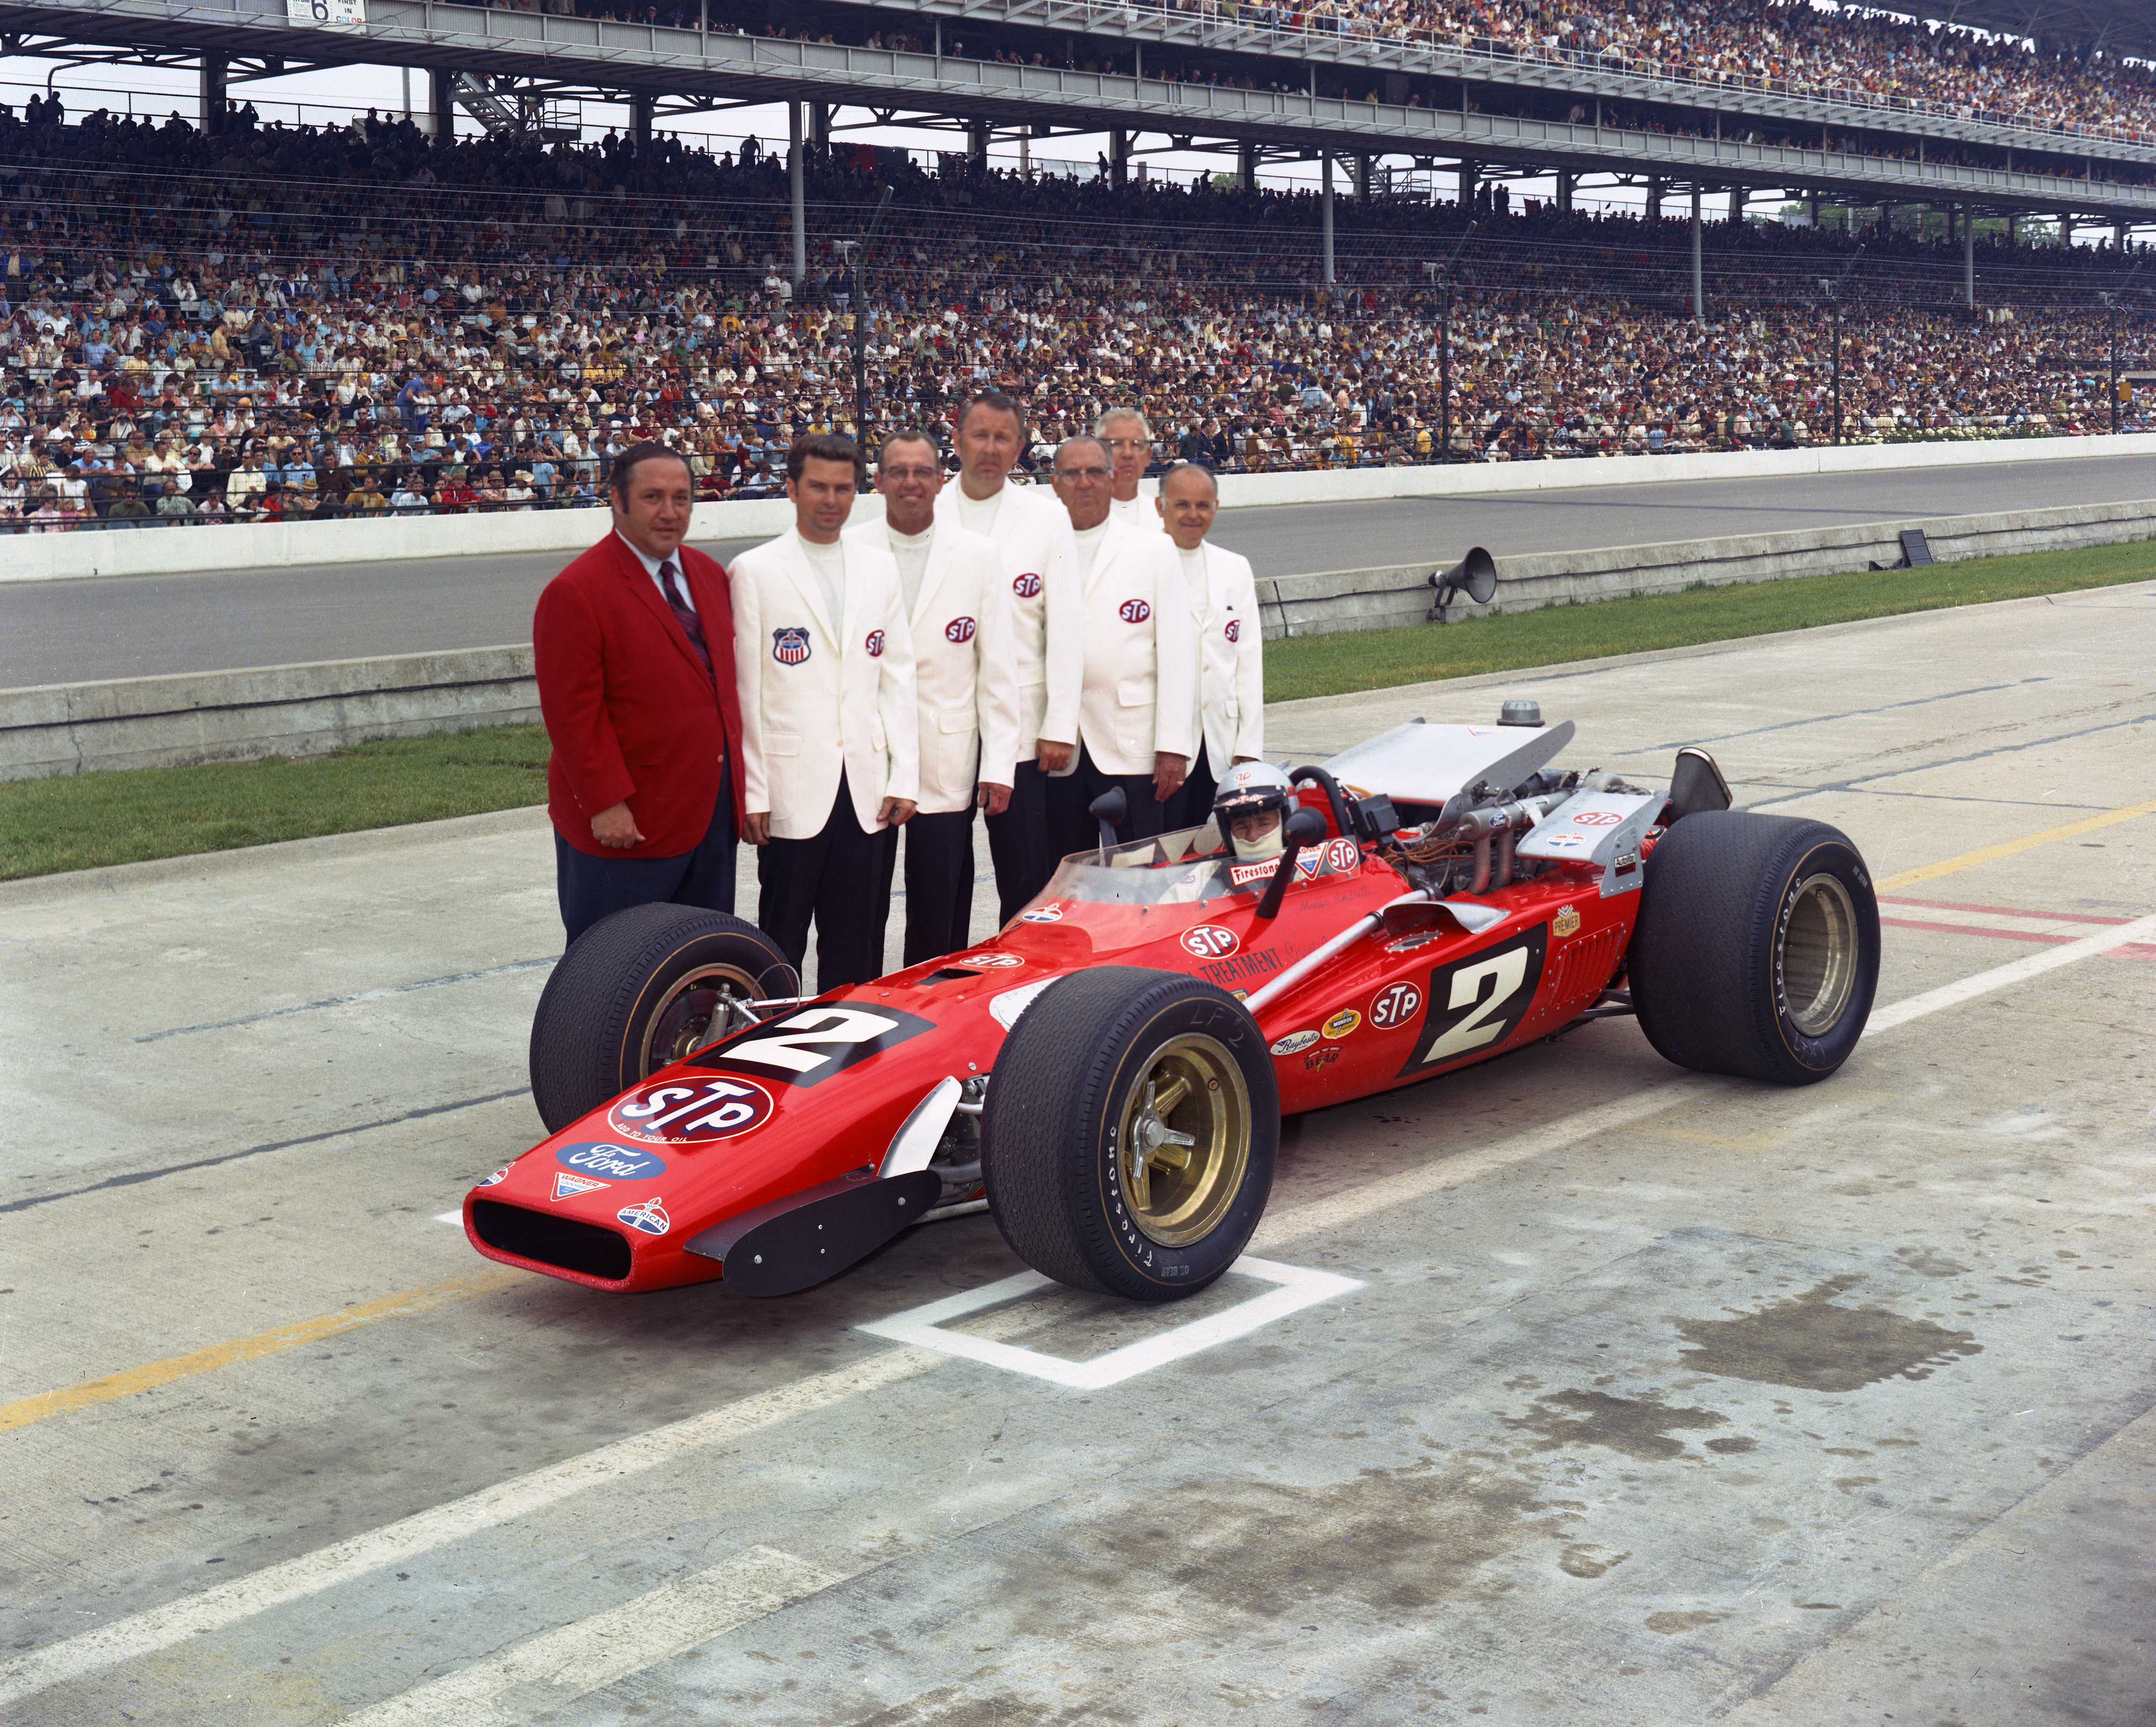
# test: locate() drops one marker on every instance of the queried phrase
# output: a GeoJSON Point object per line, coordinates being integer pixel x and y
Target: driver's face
{"type": "Point", "coordinates": [1258, 825]}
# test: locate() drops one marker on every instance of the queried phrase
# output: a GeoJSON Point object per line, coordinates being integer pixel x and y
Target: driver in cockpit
{"type": "Point", "coordinates": [1251, 806]}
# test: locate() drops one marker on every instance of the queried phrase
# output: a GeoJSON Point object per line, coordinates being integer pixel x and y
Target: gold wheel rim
{"type": "Point", "coordinates": [1183, 1141]}
{"type": "Point", "coordinates": [683, 1022]}
{"type": "Point", "coordinates": [1817, 966]}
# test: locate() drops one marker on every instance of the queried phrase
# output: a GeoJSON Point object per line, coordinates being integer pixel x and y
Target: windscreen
{"type": "Point", "coordinates": [1185, 867]}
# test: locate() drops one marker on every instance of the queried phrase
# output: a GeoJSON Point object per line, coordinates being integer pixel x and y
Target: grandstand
{"type": "Point", "coordinates": [224, 321]}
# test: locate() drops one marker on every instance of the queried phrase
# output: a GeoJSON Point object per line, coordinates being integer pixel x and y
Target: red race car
{"type": "Point", "coordinates": [1108, 1074]}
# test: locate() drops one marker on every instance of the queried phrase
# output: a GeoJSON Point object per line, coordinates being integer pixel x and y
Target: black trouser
{"type": "Point", "coordinates": [939, 884]}
{"type": "Point", "coordinates": [1019, 842]}
{"type": "Point", "coordinates": [591, 888]}
{"type": "Point", "coordinates": [832, 878]}
{"type": "Point", "coordinates": [1192, 806]}
{"type": "Point", "coordinates": [1074, 826]}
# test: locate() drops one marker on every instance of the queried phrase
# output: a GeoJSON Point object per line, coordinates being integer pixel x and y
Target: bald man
{"type": "Point", "coordinates": [1230, 722]}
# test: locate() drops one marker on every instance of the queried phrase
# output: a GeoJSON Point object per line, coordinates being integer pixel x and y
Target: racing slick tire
{"type": "Point", "coordinates": [635, 991]}
{"type": "Point", "coordinates": [1105, 1064]}
{"type": "Point", "coordinates": [1756, 951]}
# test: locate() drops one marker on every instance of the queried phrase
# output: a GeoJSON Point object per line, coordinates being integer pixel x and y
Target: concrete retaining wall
{"type": "Point", "coordinates": [44, 558]}
{"type": "Point", "coordinates": [1380, 598]}
{"type": "Point", "coordinates": [275, 710]}
{"type": "Point", "coordinates": [306, 710]}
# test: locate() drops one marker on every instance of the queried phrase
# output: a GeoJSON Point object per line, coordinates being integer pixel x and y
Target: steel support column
{"type": "Point", "coordinates": [640, 109]}
{"type": "Point", "coordinates": [1735, 205]}
{"type": "Point", "coordinates": [212, 94]}
{"type": "Point", "coordinates": [1246, 167]}
{"type": "Point", "coordinates": [442, 102]}
{"type": "Point", "coordinates": [1698, 267]}
{"type": "Point", "coordinates": [1968, 255]}
{"type": "Point", "coordinates": [797, 183]}
{"type": "Point", "coordinates": [1325, 205]}
{"type": "Point", "coordinates": [820, 126]}
{"type": "Point", "coordinates": [1470, 171]}
{"type": "Point", "coordinates": [1654, 200]}
{"type": "Point", "coordinates": [1565, 184]}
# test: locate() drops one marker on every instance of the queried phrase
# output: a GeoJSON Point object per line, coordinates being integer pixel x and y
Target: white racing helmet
{"type": "Point", "coordinates": [1252, 789]}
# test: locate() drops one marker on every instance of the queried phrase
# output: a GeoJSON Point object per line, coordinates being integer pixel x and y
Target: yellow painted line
{"type": "Point", "coordinates": [47, 1403]}
{"type": "Point", "coordinates": [1909, 878]}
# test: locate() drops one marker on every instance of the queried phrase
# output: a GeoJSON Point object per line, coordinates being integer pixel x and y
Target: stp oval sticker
{"type": "Point", "coordinates": [1027, 586]}
{"type": "Point", "coordinates": [875, 644]}
{"type": "Point", "coordinates": [1134, 611]}
{"type": "Point", "coordinates": [958, 630]}
{"type": "Point", "coordinates": [1234, 629]}
{"type": "Point", "coordinates": [1209, 941]}
{"type": "Point", "coordinates": [683, 1112]}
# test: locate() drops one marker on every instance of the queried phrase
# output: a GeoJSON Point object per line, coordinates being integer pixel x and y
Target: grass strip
{"type": "Point", "coordinates": [1382, 659]}
{"type": "Point", "coordinates": [79, 821]}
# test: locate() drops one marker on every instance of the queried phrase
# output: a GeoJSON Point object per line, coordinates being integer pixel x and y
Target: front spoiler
{"type": "Point", "coordinates": [799, 1241]}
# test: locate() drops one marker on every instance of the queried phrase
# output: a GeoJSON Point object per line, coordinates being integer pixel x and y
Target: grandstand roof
{"type": "Point", "coordinates": [2123, 26]}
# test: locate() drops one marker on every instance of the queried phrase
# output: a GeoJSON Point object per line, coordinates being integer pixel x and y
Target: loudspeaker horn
{"type": "Point", "coordinates": [1475, 576]}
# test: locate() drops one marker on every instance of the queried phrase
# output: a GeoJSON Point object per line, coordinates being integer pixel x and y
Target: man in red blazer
{"type": "Point", "coordinates": [635, 649]}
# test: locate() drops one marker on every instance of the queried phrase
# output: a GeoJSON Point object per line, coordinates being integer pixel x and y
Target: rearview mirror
{"type": "Point", "coordinates": [1306, 827]}
{"type": "Point", "coordinates": [1109, 810]}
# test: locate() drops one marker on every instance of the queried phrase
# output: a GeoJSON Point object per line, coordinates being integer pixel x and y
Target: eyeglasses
{"type": "Point", "coordinates": [1126, 442]}
{"type": "Point", "coordinates": [1095, 475]}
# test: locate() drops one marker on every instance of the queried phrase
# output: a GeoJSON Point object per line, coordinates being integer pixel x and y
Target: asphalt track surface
{"type": "Point", "coordinates": [135, 626]}
{"type": "Point", "coordinates": [1624, 1396]}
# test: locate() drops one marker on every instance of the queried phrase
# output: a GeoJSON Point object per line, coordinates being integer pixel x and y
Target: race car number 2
{"type": "Point", "coordinates": [807, 1048]}
{"type": "Point", "coordinates": [1477, 1003]}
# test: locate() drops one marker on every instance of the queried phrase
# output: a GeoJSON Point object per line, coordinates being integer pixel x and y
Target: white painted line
{"type": "Point", "coordinates": [922, 1326]}
{"type": "Point", "coordinates": [573, 1661]}
{"type": "Point", "coordinates": [214, 1609]}
{"type": "Point", "coordinates": [2000, 976]}
{"type": "Point", "coordinates": [1357, 1202]}
{"type": "Point", "coordinates": [456, 1217]}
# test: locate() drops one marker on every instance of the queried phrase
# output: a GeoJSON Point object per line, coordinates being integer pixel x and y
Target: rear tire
{"type": "Point", "coordinates": [1130, 1133]}
{"type": "Point", "coordinates": [1757, 952]}
{"type": "Point", "coordinates": [636, 991]}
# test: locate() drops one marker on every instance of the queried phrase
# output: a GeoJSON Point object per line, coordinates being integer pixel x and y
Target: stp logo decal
{"type": "Point", "coordinates": [875, 644]}
{"type": "Point", "coordinates": [1234, 631]}
{"type": "Point", "coordinates": [1395, 1006]}
{"type": "Point", "coordinates": [790, 646]}
{"type": "Point", "coordinates": [1342, 854]}
{"type": "Point", "coordinates": [1597, 818]}
{"type": "Point", "coordinates": [1134, 611]}
{"type": "Point", "coordinates": [617, 1163]}
{"type": "Point", "coordinates": [650, 1217]}
{"type": "Point", "coordinates": [1341, 1023]}
{"type": "Point", "coordinates": [1294, 1044]}
{"type": "Point", "coordinates": [1027, 586]}
{"type": "Point", "coordinates": [958, 630]}
{"type": "Point", "coordinates": [1209, 941]}
{"type": "Point", "coordinates": [1475, 1003]}
{"type": "Point", "coordinates": [989, 962]}
{"type": "Point", "coordinates": [1566, 921]}
{"type": "Point", "coordinates": [688, 1114]}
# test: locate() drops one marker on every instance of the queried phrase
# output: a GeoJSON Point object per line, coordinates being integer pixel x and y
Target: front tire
{"type": "Point", "coordinates": [1130, 1133]}
{"type": "Point", "coordinates": [637, 990]}
{"type": "Point", "coordinates": [1757, 952]}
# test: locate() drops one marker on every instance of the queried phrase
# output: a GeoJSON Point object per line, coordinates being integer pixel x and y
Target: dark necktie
{"type": "Point", "coordinates": [677, 597]}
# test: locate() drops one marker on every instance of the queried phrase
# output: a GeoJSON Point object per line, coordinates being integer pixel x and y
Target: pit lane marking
{"type": "Point", "coordinates": [1999, 977]}
{"type": "Point", "coordinates": [27, 1410]}
{"type": "Point", "coordinates": [574, 1660]}
{"type": "Point", "coordinates": [2007, 848]}
{"type": "Point", "coordinates": [214, 1609]}
{"type": "Point", "coordinates": [331, 1001]}
{"type": "Point", "coordinates": [923, 1326]}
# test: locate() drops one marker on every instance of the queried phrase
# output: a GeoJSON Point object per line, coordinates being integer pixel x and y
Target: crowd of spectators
{"type": "Point", "coordinates": [279, 325]}
{"type": "Point", "coordinates": [1844, 52]}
